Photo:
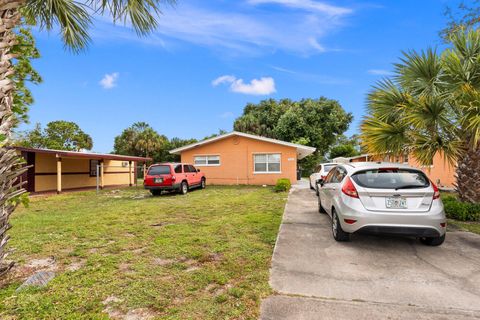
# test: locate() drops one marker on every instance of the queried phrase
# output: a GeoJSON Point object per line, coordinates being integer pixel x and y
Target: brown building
{"type": "Point", "coordinates": [58, 170]}
{"type": "Point", "coordinates": [241, 158]}
{"type": "Point", "coordinates": [440, 171]}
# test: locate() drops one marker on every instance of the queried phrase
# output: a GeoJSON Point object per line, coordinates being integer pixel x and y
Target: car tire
{"type": "Point", "coordinates": [316, 190]}
{"type": "Point", "coordinates": [183, 187]}
{"type": "Point", "coordinates": [311, 187]}
{"type": "Point", "coordinates": [156, 192]}
{"type": "Point", "coordinates": [337, 231]}
{"type": "Point", "coordinates": [203, 183]}
{"type": "Point", "coordinates": [320, 208]}
{"type": "Point", "coordinates": [433, 241]}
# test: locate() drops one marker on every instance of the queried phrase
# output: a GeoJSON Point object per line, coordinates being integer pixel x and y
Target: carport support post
{"type": "Point", "coordinates": [101, 175]}
{"type": "Point", "coordinates": [59, 175]}
{"type": "Point", "coordinates": [130, 173]}
{"type": "Point", "coordinates": [144, 170]}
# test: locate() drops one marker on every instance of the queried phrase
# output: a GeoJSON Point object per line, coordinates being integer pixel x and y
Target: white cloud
{"type": "Point", "coordinates": [246, 31]}
{"type": "Point", "coordinates": [380, 72]}
{"type": "Point", "coordinates": [262, 86]}
{"type": "Point", "coordinates": [109, 80]}
{"type": "Point", "coordinates": [307, 5]}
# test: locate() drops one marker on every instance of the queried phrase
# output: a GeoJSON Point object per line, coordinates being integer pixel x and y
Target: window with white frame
{"type": "Point", "coordinates": [267, 163]}
{"type": "Point", "coordinates": [207, 160]}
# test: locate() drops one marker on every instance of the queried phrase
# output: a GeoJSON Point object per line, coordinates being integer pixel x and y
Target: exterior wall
{"type": "Point", "coordinates": [76, 173]}
{"type": "Point", "coordinates": [236, 161]}
{"type": "Point", "coordinates": [440, 172]}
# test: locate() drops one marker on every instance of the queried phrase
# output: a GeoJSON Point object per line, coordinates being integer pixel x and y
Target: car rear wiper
{"type": "Point", "coordinates": [410, 186]}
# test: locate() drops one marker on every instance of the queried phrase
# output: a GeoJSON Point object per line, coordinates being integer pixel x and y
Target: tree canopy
{"type": "Point", "coordinates": [345, 147]}
{"type": "Point", "coordinates": [140, 140]}
{"type": "Point", "coordinates": [58, 135]}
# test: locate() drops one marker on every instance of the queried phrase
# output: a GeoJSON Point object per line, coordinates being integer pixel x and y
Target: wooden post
{"type": "Point", "coordinates": [59, 175]}
{"type": "Point", "coordinates": [130, 173]}
{"type": "Point", "coordinates": [102, 182]}
{"type": "Point", "coordinates": [144, 170]}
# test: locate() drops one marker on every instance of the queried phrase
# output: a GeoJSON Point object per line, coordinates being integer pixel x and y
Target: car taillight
{"type": "Point", "coordinates": [436, 192]}
{"type": "Point", "coordinates": [350, 221]}
{"type": "Point", "coordinates": [323, 177]}
{"type": "Point", "coordinates": [349, 189]}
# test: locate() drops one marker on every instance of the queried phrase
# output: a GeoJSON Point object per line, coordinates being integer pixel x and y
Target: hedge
{"type": "Point", "coordinates": [283, 185]}
{"type": "Point", "coordinates": [463, 211]}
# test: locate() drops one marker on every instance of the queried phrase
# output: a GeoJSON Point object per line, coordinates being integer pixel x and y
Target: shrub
{"type": "Point", "coordinates": [283, 185]}
{"type": "Point", "coordinates": [463, 211]}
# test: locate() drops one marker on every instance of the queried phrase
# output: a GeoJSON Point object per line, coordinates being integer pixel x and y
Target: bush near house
{"type": "Point", "coordinates": [283, 185]}
{"type": "Point", "coordinates": [458, 210]}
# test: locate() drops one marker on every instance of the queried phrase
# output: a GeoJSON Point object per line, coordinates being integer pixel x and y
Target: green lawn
{"type": "Point", "coordinates": [205, 255]}
{"type": "Point", "coordinates": [465, 225]}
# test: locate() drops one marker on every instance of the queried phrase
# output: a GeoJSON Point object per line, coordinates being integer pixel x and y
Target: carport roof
{"type": "Point", "coordinates": [89, 155]}
{"type": "Point", "coordinates": [302, 151]}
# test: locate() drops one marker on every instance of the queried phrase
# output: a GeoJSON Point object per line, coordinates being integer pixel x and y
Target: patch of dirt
{"type": "Point", "coordinates": [111, 299]}
{"type": "Point", "coordinates": [163, 262]}
{"type": "Point", "coordinates": [139, 314]}
{"type": "Point", "coordinates": [138, 250]}
{"type": "Point", "coordinates": [160, 224]}
{"type": "Point", "coordinates": [76, 265]}
{"type": "Point", "coordinates": [212, 258]}
{"type": "Point", "coordinates": [45, 264]}
{"type": "Point", "coordinates": [93, 250]}
{"type": "Point", "coordinates": [192, 268]}
{"type": "Point", "coordinates": [124, 267]}
{"type": "Point", "coordinates": [222, 289]}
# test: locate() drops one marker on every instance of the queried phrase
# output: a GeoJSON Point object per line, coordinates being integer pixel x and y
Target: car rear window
{"type": "Point", "coordinates": [156, 170]}
{"type": "Point", "coordinates": [391, 178]}
{"type": "Point", "coordinates": [329, 167]}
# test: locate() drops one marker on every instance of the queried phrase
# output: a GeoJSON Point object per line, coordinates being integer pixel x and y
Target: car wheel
{"type": "Point", "coordinates": [311, 187]}
{"type": "Point", "coordinates": [203, 184]}
{"type": "Point", "coordinates": [316, 190]}
{"type": "Point", "coordinates": [337, 231]}
{"type": "Point", "coordinates": [156, 192]}
{"type": "Point", "coordinates": [433, 241]}
{"type": "Point", "coordinates": [184, 188]}
{"type": "Point", "coordinates": [320, 208]}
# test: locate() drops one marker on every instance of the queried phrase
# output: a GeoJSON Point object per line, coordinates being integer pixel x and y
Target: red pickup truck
{"type": "Point", "coordinates": [173, 177]}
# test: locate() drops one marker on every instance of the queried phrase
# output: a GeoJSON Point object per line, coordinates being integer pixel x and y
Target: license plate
{"type": "Point", "coordinates": [396, 203]}
{"type": "Point", "coordinates": [158, 180]}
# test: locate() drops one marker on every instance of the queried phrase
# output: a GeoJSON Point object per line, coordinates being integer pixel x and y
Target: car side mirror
{"type": "Point", "coordinates": [198, 170]}
{"type": "Point", "coordinates": [320, 182]}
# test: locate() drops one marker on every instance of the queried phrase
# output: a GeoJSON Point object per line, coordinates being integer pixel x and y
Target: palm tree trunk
{"type": "Point", "coordinates": [10, 163]}
{"type": "Point", "coordinates": [468, 176]}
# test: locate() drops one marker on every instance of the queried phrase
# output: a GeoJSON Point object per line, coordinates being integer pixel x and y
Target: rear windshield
{"type": "Point", "coordinates": [391, 179]}
{"type": "Point", "coordinates": [155, 170]}
{"type": "Point", "coordinates": [329, 167]}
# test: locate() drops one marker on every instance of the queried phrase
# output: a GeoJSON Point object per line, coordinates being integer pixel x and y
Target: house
{"type": "Point", "coordinates": [58, 170]}
{"type": "Point", "coordinates": [440, 171]}
{"type": "Point", "coordinates": [241, 158]}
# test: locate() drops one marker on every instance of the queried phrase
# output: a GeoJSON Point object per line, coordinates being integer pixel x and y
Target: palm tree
{"type": "Point", "coordinates": [430, 106]}
{"type": "Point", "coordinates": [74, 19]}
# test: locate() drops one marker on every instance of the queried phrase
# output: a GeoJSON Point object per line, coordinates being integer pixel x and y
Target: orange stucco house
{"type": "Point", "coordinates": [440, 171]}
{"type": "Point", "coordinates": [241, 158]}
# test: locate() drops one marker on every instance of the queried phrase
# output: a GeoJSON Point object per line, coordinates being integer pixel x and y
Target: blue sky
{"type": "Point", "coordinates": [208, 59]}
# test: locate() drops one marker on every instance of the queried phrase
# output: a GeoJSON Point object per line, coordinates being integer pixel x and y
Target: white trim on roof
{"type": "Point", "coordinates": [302, 151]}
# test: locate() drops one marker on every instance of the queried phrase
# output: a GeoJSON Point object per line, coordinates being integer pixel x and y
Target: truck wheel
{"type": "Point", "coordinates": [184, 188]}
{"type": "Point", "coordinates": [203, 184]}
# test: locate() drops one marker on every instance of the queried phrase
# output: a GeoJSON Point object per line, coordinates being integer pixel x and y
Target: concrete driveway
{"type": "Point", "coordinates": [371, 277]}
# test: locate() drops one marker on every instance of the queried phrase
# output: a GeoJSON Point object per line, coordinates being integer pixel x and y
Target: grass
{"type": "Point", "coordinates": [465, 226]}
{"type": "Point", "coordinates": [205, 255]}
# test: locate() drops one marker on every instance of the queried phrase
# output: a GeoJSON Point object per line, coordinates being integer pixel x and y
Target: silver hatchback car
{"type": "Point", "coordinates": [384, 198]}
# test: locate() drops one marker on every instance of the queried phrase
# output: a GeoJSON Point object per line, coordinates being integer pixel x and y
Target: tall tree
{"type": "Point", "coordinates": [345, 147]}
{"type": "Point", "coordinates": [74, 19]}
{"type": "Point", "coordinates": [432, 105]}
{"type": "Point", "coordinates": [464, 16]}
{"type": "Point", "coordinates": [139, 140]}
{"type": "Point", "coordinates": [314, 122]}
{"type": "Point", "coordinates": [59, 135]}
